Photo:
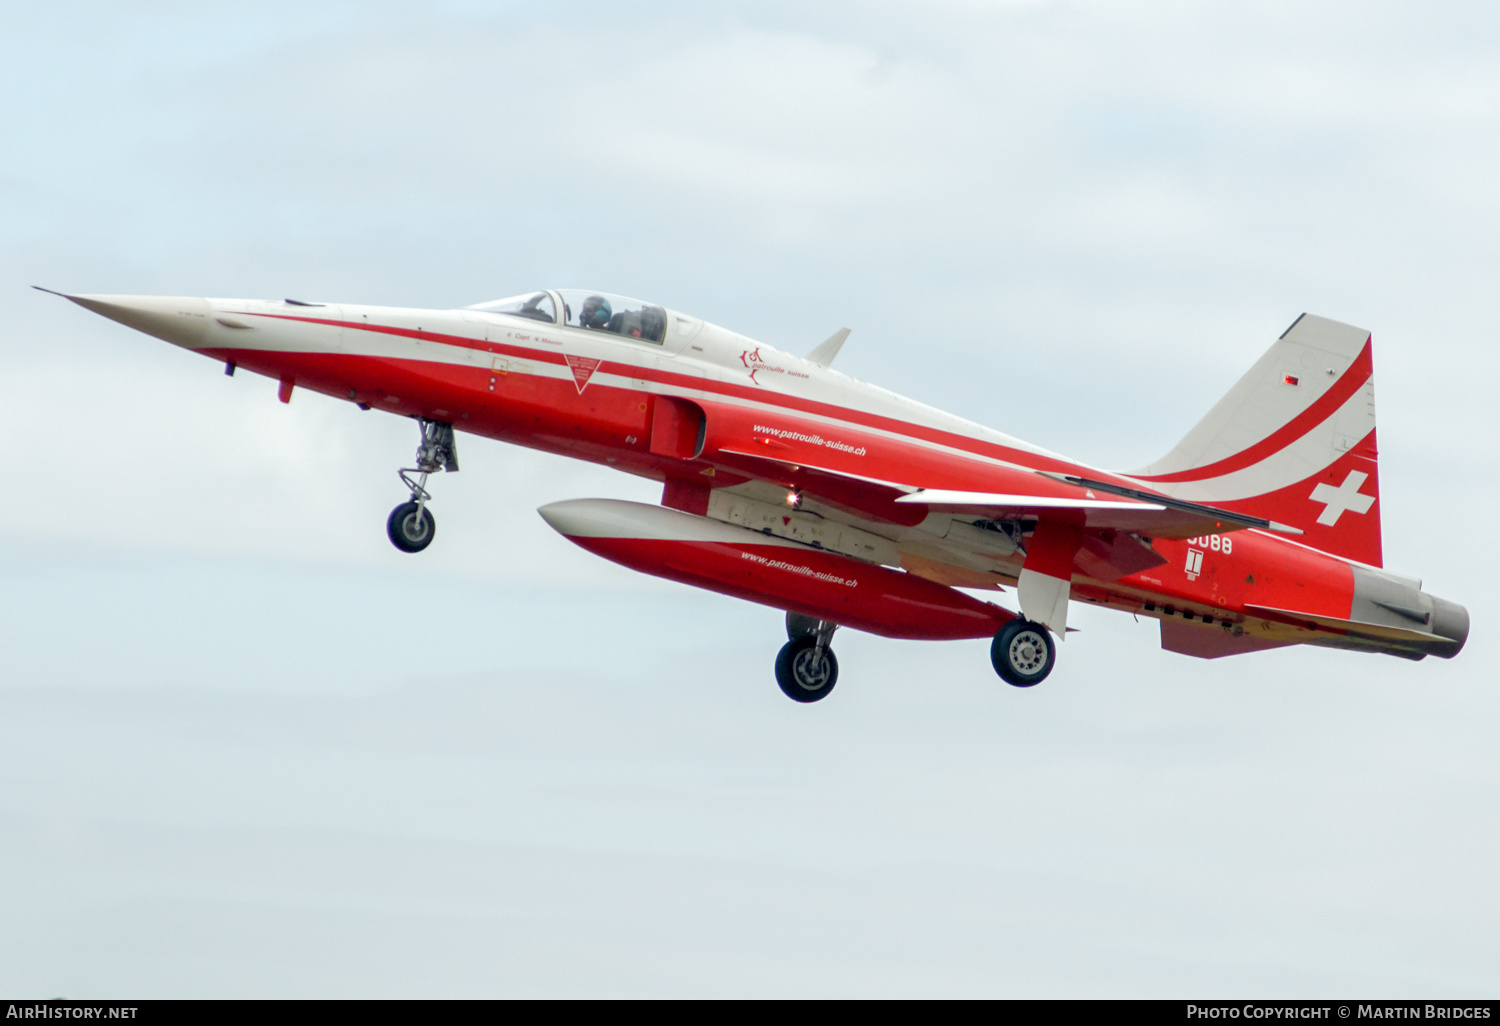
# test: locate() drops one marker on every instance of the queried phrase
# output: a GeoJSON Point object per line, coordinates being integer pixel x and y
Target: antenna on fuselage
{"type": "Point", "coordinates": [828, 348]}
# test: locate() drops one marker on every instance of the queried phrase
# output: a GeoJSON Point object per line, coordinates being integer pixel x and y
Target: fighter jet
{"type": "Point", "coordinates": [788, 483]}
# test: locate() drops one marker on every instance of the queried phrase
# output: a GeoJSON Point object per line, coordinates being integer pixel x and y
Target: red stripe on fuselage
{"type": "Point", "coordinates": [937, 436]}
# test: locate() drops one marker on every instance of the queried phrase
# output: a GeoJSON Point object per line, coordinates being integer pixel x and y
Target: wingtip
{"type": "Point", "coordinates": [51, 292]}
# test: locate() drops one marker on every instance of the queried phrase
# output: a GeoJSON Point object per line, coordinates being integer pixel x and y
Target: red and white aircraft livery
{"type": "Point", "coordinates": [790, 484]}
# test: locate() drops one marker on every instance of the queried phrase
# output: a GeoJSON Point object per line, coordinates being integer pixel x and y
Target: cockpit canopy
{"type": "Point", "coordinates": [594, 311]}
{"type": "Point", "coordinates": [600, 311]}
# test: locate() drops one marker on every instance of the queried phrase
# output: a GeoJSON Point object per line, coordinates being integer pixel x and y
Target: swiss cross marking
{"type": "Point", "coordinates": [1345, 497]}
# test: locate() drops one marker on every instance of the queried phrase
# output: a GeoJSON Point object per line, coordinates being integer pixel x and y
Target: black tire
{"type": "Point", "coordinates": [407, 532]}
{"type": "Point", "coordinates": [1023, 653]}
{"type": "Point", "coordinates": [802, 675]}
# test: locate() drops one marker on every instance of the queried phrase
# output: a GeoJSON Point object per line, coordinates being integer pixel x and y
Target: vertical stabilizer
{"type": "Point", "coordinates": [829, 348]}
{"type": "Point", "coordinates": [1293, 441]}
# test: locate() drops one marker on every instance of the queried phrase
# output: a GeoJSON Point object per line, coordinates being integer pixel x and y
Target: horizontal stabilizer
{"type": "Point", "coordinates": [1370, 630]}
{"type": "Point", "coordinates": [1206, 642]}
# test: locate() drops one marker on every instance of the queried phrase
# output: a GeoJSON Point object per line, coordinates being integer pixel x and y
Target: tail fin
{"type": "Point", "coordinates": [1293, 441]}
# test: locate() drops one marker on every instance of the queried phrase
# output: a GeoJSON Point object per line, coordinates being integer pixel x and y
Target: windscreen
{"type": "Point", "coordinates": [536, 306]}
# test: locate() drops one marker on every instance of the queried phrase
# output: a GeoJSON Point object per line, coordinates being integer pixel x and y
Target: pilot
{"type": "Point", "coordinates": [653, 323]}
{"type": "Point", "coordinates": [647, 323]}
{"type": "Point", "coordinates": [596, 313]}
{"type": "Point", "coordinates": [626, 322]}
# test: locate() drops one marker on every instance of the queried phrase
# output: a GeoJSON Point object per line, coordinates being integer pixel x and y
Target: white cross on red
{"type": "Point", "coordinates": [1345, 497]}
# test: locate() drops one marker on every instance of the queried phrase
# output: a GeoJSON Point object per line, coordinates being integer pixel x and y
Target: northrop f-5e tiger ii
{"type": "Point", "coordinates": [788, 483]}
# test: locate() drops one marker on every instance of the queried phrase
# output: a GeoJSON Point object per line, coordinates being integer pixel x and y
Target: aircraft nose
{"type": "Point", "coordinates": [180, 320]}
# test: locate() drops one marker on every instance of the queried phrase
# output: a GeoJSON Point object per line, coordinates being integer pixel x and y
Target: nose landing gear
{"type": "Point", "coordinates": [411, 525]}
{"type": "Point", "coordinates": [806, 668]}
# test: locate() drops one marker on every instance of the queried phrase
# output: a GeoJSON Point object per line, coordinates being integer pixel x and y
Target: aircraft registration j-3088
{"type": "Point", "coordinates": [787, 483]}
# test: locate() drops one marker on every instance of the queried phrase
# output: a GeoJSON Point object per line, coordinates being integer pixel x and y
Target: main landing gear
{"type": "Point", "coordinates": [411, 525]}
{"type": "Point", "coordinates": [806, 667]}
{"type": "Point", "coordinates": [1023, 653]}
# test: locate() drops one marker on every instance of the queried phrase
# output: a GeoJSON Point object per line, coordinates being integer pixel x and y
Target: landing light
{"type": "Point", "coordinates": [794, 498]}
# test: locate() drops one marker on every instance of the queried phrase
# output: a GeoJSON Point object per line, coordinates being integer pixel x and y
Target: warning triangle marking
{"type": "Point", "coordinates": [583, 368]}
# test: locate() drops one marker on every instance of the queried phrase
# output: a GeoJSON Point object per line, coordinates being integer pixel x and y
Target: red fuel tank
{"type": "Point", "coordinates": [775, 572]}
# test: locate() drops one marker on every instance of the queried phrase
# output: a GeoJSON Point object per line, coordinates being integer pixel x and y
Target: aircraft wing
{"type": "Point", "coordinates": [899, 480]}
{"type": "Point", "coordinates": [1137, 511]}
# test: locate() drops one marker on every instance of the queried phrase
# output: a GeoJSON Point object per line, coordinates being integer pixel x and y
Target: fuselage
{"type": "Point", "coordinates": [782, 428]}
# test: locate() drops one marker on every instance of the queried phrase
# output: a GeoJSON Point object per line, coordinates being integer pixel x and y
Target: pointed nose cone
{"type": "Point", "coordinates": [180, 320]}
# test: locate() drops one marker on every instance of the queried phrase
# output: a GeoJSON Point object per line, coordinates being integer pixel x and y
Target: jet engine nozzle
{"type": "Point", "coordinates": [1449, 620]}
{"type": "Point", "coordinates": [180, 320]}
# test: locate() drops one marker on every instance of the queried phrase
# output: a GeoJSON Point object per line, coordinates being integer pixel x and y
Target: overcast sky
{"type": "Point", "coordinates": [247, 748]}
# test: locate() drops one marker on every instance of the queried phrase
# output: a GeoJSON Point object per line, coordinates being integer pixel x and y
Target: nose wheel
{"type": "Point", "coordinates": [806, 668]}
{"type": "Point", "coordinates": [1023, 653]}
{"type": "Point", "coordinates": [411, 525]}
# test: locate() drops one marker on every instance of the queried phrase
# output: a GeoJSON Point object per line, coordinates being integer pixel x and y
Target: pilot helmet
{"type": "Point", "coordinates": [596, 312]}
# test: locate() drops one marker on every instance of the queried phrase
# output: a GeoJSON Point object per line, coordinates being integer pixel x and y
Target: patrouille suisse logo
{"type": "Point", "coordinates": [756, 364]}
{"type": "Point", "coordinates": [753, 361]}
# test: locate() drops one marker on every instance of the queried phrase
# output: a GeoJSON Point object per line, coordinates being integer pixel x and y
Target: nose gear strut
{"type": "Point", "coordinates": [411, 525]}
